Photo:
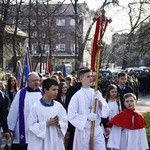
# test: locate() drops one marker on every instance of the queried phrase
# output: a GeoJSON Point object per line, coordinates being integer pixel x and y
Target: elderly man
{"type": "Point", "coordinates": [19, 111]}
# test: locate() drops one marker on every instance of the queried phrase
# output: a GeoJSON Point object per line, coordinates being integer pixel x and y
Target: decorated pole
{"type": "Point", "coordinates": [29, 57]}
{"type": "Point", "coordinates": [101, 25]}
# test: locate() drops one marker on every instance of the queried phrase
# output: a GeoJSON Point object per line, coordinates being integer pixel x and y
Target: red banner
{"type": "Point", "coordinates": [95, 41]}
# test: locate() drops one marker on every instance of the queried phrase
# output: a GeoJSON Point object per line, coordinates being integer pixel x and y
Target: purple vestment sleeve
{"type": "Point", "coordinates": [21, 117]}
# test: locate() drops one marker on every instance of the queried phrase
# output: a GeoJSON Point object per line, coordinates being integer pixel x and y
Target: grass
{"type": "Point", "coordinates": [147, 118]}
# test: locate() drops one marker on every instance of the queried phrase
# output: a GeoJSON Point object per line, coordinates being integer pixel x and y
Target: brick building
{"type": "Point", "coordinates": [52, 28]}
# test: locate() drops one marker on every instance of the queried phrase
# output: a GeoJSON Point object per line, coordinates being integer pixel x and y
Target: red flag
{"type": "Point", "coordinates": [94, 50]}
{"type": "Point", "coordinates": [48, 65]}
{"type": "Point", "coordinates": [95, 41]}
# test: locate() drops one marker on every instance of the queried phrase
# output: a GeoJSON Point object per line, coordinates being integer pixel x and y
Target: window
{"type": "Point", "coordinates": [61, 10]}
{"type": "Point", "coordinates": [60, 22]}
{"type": "Point", "coordinates": [33, 48]}
{"type": "Point", "coordinates": [60, 35]}
{"type": "Point", "coordinates": [73, 48]}
{"type": "Point", "coordinates": [43, 35]}
{"type": "Point", "coordinates": [45, 47]}
{"type": "Point", "coordinates": [34, 35]}
{"type": "Point", "coordinates": [72, 22]}
{"type": "Point", "coordinates": [45, 22]}
{"type": "Point", "coordinates": [60, 47]}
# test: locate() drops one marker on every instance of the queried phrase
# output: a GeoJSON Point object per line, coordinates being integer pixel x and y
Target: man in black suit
{"type": "Point", "coordinates": [3, 116]}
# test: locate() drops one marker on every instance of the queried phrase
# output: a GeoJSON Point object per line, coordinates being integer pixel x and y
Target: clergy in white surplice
{"type": "Point", "coordinates": [80, 114]}
{"type": "Point", "coordinates": [47, 121]}
{"type": "Point", "coordinates": [19, 111]}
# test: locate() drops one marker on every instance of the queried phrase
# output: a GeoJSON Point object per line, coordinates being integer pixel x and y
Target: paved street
{"type": "Point", "coordinates": [143, 104]}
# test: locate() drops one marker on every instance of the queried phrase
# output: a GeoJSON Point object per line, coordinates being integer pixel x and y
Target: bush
{"type": "Point", "coordinates": [147, 118]}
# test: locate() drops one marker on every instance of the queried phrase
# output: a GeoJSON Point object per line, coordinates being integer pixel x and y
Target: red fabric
{"type": "Point", "coordinates": [48, 65]}
{"type": "Point", "coordinates": [94, 50]}
{"type": "Point", "coordinates": [124, 120]}
{"type": "Point", "coordinates": [95, 42]}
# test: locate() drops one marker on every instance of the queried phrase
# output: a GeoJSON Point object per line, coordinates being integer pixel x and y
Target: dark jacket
{"type": "Point", "coordinates": [3, 112]}
{"type": "Point", "coordinates": [70, 92]}
{"type": "Point", "coordinates": [121, 92]}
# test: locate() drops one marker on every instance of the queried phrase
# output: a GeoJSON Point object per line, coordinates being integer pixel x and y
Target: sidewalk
{"type": "Point", "coordinates": [143, 104]}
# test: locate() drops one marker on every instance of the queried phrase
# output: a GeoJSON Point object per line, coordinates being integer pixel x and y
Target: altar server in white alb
{"type": "Point", "coordinates": [19, 111]}
{"type": "Point", "coordinates": [80, 114]}
{"type": "Point", "coordinates": [128, 128]}
{"type": "Point", "coordinates": [47, 121]}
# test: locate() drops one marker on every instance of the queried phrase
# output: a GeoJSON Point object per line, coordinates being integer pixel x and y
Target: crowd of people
{"type": "Point", "coordinates": [57, 113]}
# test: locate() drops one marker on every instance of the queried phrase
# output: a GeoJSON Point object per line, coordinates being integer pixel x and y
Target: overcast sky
{"type": "Point", "coordinates": [119, 18]}
{"type": "Point", "coordinates": [93, 4]}
{"type": "Point", "coordinates": [119, 15]}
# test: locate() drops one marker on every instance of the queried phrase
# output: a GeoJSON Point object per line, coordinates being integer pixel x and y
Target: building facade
{"type": "Point", "coordinates": [53, 28]}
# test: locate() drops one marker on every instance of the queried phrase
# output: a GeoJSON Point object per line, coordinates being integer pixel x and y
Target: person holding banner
{"type": "Point", "coordinates": [80, 114]}
{"type": "Point", "coordinates": [20, 109]}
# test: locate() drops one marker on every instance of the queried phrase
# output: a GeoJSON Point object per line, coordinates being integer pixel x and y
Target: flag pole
{"type": "Point", "coordinates": [99, 48]}
{"type": "Point", "coordinates": [29, 57]}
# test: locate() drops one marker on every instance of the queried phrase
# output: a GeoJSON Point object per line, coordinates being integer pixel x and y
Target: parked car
{"type": "Point", "coordinates": [105, 72]}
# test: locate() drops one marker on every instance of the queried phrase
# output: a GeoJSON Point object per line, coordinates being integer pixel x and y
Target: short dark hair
{"type": "Point", "coordinates": [121, 74]}
{"type": "Point", "coordinates": [127, 95]}
{"type": "Point", "coordinates": [59, 73]}
{"type": "Point", "coordinates": [47, 83]}
{"type": "Point", "coordinates": [83, 71]}
{"type": "Point", "coordinates": [68, 78]}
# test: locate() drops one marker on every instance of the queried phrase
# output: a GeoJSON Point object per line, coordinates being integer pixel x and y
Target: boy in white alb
{"type": "Point", "coordinates": [47, 121]}
{"type": "Point", "coordinates": [80, 114]}
{"type": "Point", "coordinates": [128, 128]}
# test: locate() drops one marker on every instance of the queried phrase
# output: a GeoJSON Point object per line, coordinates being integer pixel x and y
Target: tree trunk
{"type": "Point", "coordinates": [1, 49]}
{"type": "Point", "coordinates": [4, 13]}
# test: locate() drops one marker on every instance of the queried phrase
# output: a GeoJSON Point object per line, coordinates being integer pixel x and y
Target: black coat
{"type": "Point", "coordinates": [3, 112]}
{"type": "Point", "coordinates": [70, 92]}
{"type": "Point", "coordinates": [121, 92]}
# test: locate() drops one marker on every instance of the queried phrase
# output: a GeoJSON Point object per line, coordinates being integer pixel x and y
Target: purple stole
{"type": "Point", "coordinates": [21, 116]}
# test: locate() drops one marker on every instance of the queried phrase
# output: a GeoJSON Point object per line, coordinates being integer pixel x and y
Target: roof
{"type": "Point", "coordinates": [11, 30]}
